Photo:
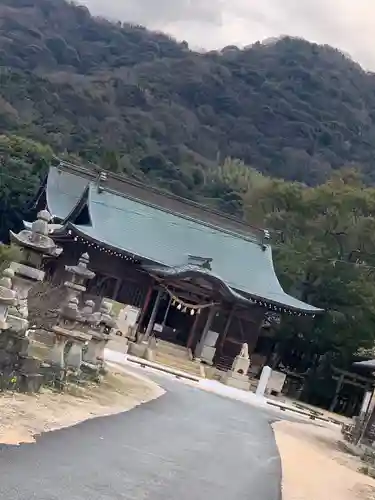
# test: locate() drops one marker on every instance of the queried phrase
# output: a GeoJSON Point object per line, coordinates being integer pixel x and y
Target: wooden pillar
{"type": "Point", "coordinates": [143, 311]}
{"type": "Point", "coordinates": [258, 326]}
{"type": "Point", "coordinates": [337, 392]}
{"type": "Point", "coordinates": [151, 323]}
{"type": "Point", "coordinates": [117, 289]}
{"type": "Point", "coordinates": [223, 336]}
{"type": "Point", "coordinates": [193, 330]}
{"type": "Point", "coordinates": [166, 312]}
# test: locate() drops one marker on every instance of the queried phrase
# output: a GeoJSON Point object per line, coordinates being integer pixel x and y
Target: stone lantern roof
{"type": "Point", "coordinates": [37, 238]}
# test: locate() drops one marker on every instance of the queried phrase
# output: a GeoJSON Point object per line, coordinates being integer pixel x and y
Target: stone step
{"type": "Point", "coordinates": [184, 365]}
{"type": "Point", "coordinates": [175, 361]}
{"type": "Point", "coordinates": [173, 350]}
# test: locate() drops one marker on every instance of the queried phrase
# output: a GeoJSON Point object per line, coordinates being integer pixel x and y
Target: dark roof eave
{"type": "Point", "coordinates": [70, 231]}
{"type": "Point", "coordinates": [78, 207]}
{"type": "Point", "coordinates": [368, 364]}
{"type": "Point", "coordinates": [42, 188]}
{"type": "Point", "coordinates": [190, 271]}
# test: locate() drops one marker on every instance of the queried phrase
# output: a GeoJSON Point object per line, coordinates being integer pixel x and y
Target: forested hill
{"type": "Point", "coordinates": [138, 101]}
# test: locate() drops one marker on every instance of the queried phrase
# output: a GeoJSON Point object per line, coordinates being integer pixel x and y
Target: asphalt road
{"type": "Point", "coordinates": [186, 445]}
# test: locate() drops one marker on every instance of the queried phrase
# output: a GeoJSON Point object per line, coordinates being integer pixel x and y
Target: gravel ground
{"type": "Point", "coordinates": [23, 416]}
{"type": "Point", "coordinates": [324, 467]}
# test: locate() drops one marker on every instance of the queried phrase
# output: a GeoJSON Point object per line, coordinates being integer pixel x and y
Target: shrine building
{"type": "Point", "coordinates": [198, 277]}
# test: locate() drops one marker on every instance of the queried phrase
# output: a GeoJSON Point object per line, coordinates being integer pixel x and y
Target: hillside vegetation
{"type": "Point", "coordinates": [142, 103]}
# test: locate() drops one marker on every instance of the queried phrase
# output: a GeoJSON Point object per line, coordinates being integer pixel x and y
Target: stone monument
{"type": "Point", "coordinates": [237, 377]}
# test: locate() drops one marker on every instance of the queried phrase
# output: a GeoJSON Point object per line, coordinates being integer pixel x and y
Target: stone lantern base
{"type": "Point", "coordinates": [91, 372]}
{"type": "Point", "coordinates": [31, 378]}
{"type": "Point", "coordinates": [237, 376]}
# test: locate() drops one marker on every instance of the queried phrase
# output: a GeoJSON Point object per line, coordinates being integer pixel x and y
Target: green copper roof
{"type": "Point", "coordinates": [63, 192]}
{"type": "Point", "coordinates": [156, 235]}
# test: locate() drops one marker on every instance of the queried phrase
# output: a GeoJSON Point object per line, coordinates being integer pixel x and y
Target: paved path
{"type": "Point", "coordinates": [187, 445]}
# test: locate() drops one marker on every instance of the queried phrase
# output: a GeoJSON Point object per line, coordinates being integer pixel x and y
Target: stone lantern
{"type": "Point", "coordinates": [16, 368]}
{"type": "Point", "coordinates": [107, 321]}
{"type": "Point", "coordinates": [73, 325]}
{"type": "Point", "coordinates": [102, 325]}
{"type": "Point", "coordinates": [69, 330]}
{"type": "Point", "coordinates": [79, 274]}
{"type": "Point", "coordinates": [35, 245]}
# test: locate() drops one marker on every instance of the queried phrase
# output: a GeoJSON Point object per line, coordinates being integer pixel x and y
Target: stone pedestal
{"type": "Point", "coordinates": [94, 352]}
{"type": "Point", "coordinates": [275, 383]}
{"type": "Point", "coordinates": [74, 357]}
{"type": "Point", "coordinates": [138, 350]}
{"type": "Point", "coordinates": [206, 334]}
{"type": "Point", "coordinates": [208, 348]}
{"type": "Point", "coordinates": [56, 356]}
{"type": "Point", "coordinates": [119, 344]}
{"type": "Point", "coordinates": [233, 379]}
{"type": "Point", "coordinates": [264, 378]}
{"type": "Point", "coordinates": [149, 354]}
{"type": "Point", "coordinates": [131, 333]}
{"type": "Point", "coordinates": [31, 378]}
{"type": "Point", "coordinates": [93, 357]}
{"type": "Point", "coordinates": [25, 277]}
{"type": "Point", "coordinates": [237, 377]}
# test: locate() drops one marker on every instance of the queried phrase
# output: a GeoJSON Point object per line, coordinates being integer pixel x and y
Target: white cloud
{"type": "Point", "coordinates": [346, 24]}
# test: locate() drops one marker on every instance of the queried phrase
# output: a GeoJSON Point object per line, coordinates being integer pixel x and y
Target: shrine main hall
{"type": "Point", "coordinates": [199, 278]}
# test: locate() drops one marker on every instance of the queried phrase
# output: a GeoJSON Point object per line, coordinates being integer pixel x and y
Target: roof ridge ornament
{"type": "Point", "coordinates": [101, 179]}
{"type": "Point", "coordinates": [203, 262]}
{"type": "Point", "coordinates": [265, 239]}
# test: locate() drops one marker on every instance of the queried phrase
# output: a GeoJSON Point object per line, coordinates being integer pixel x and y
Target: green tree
{"type": "Point", "coordinates": [23, 163]}
{"type": "Point", "coordinates": [8, 254]}
{"type": "Point", "coordinates": [324, 252]}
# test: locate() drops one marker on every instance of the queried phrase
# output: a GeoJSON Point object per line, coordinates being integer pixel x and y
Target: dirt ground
{"type": "Point", "coordinates": [22, 417]}
{"type": "Point", "coordinates": [314, 467]}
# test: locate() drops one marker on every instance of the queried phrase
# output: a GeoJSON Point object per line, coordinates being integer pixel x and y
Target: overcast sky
{"type": "Point", "coordinates": [346, 24]}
